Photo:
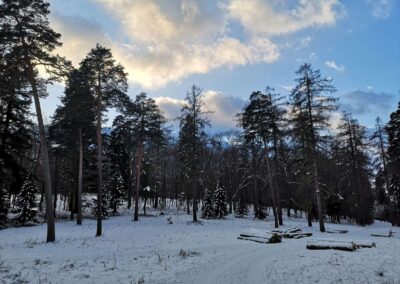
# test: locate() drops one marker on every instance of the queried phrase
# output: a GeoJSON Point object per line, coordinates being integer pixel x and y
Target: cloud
{"type": "Point", "coordinates": [366, 103]}
{"type": "Point", "coordinates": [222, 108]}
{"type": "Point", "coordinates": [264, 18]}
{"type": "Point", "coordinates": [311, 57]}
{"type": "Point", "coordinates": [333, 65]}
{"type": "Point", "coordinates": [159, 43]}
{"type": "Point", "coordinates": [380, 8]}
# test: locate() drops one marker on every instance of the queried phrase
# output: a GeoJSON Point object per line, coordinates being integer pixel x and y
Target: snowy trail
{"type": "Point", "coordinates": [151, 250]}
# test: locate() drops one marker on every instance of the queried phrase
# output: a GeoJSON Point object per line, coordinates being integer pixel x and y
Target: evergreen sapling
{"type": "Point", "coordinates": [25, 205]}
{"type": "Point", "coordinates": [208, 205]}
{"type": "Point", "coordinates": [220, 206]}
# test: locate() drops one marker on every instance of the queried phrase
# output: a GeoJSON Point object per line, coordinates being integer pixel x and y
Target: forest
{"type": "Point", "coordinates": [286, 155]}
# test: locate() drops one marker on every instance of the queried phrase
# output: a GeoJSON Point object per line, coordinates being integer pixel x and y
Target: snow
{"type": "Point", "coordinates": [154, 251]}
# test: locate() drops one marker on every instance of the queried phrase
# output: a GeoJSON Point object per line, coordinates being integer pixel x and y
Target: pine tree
{"type": "Point", "coordinates": [105, 203]}
{"type": "Point", "coordinates": [354, 164]}
{"type": "Point", "coordinates": [393, 131]}
{"type": "Point", "coordinates": [191, 125]}
{"type": "Point", "coordinates": [207, 210]}
{"type": "Point", "coordinates": [117, 190]}
{"type": "Point", "coordinates": [311, 105]}
{"type": "Point", "coordinates": [25, 204]}
{"type": "Point", "coordinates": [4, 206]}
{"type": "Point", "coordinates": [24, 28]}
{"type": "Point", "coordinates": [108, 82]}
{"type": "Point", "coordinates": [220, 205]}
{"type": "Point", "coordinates": [261, 121]}
{"type": "Point", "coordinates": [145, 121]}
{"type": "Point", "coordinates": [71, 132]}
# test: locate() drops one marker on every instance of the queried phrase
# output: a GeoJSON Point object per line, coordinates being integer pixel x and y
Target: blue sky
{"type": "Point", "coordinates": [233, 47]}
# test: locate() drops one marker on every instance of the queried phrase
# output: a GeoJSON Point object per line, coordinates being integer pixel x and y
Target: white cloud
{"type": "Point", "coordinates": [264, 18]}
{"type": "Point", "coordinates": [333, 65]}
{"type": "Point", "coordinates": [311, 57]}
{"type": "Point", "coordinates": [159, 43]}
{"type": "Point", "coordinates": [380, 8]}
{"type": "Point", "coordinates": [222, 108]}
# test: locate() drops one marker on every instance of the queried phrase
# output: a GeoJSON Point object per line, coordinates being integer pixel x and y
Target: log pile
{"type": "Point", "coordinates": [260, 236]}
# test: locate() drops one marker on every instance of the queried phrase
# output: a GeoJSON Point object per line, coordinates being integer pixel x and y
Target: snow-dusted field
{"type": "Point", "coordinates": [153, 251]}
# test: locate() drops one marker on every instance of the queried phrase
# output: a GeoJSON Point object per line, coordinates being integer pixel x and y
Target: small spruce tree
{"type": "Point", "coordinates": [117, 191]}
{"type": "Point", "coordinates": [105, 201]}
{"type": "Point", "coordinates": [25, 205]}
{"type": "Point", "coordinates": [220, 206]}
{"type": "Point", "coordinates": [207, 211]}
{"type": "Point", "coordinates": [4, 206]}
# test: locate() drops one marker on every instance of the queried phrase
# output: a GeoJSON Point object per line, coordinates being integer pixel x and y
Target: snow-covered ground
{"type": "Point", "coordinates": [153, 251]}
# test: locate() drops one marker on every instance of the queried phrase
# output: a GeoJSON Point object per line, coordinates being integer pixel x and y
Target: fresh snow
{"type": "Point", "coordinates": [153, 251]}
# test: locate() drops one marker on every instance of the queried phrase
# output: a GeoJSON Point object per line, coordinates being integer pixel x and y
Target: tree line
{"type": "Point", "coordinates": [284, 155]}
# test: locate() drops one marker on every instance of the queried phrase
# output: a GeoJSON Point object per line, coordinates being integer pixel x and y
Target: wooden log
{"type": "Point", "coordinates": [254, 239]}
{"type": "Point", "coordinates": [329, 244]}
{"type": "Point", "coordinates": [259, 234]}
{"type": "Point", "coordinates": [388, 235]}
{"type": "Point", "coordinates": [296, 235]}
{"type": "Point", "coordinates": [337, 231]}
{"type": "Point", "coordinates": [362, 244]}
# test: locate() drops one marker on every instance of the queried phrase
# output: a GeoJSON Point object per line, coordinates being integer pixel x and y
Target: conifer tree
{"type": "Point", "coordinates": [4, 206]}
{"type": "Point", "coordinates": [25, 205]}
{"type": "Point", "coordinates": [393, 131]}
{"type": "Point", "coordinates": [24, 28]}
{"type": "Point", "coordinates": [116, 190]}
{"type": "Point", "coordinates": [354, 169]}
{"type": "Point", "coordinates": [220, 205]}
{"type": "Point", "coordinates": [207, 211]}
{"type": "Point", "coordinates": [108, 82]}
{"type": "Point", "coordinates": [145, 121]}
{"type": "Point", "coordinates": [311, 105]}
{"type": "Point", "coordinates": [105, 203]}
{"type": "Point", "coordinates": [192, 123]}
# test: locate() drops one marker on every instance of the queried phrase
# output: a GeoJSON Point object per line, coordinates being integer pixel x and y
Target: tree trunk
{"type": "Point", "coordinates": [51, 231]}
{"type": "Point", "coordinates": [80, 179]}
{"type": "Point", "coordinates": [99, 165]}
{"type": "Point", "coordinates": [318, 196]}
{"type": "Point", "coordinates": [139, 154]}
{"type": "Point", "coordinates": [55, 184]}
{"type": "Point", "coordinates": [271, 186]}
{"type": "Point", "coordinates": [194, 190]}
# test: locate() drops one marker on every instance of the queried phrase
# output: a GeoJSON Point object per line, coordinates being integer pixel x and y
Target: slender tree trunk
{"type": "Point", "coordinates": [194, 190]}
{"type": "Point", "coordinates": [130, 182]}
{"type": "Point", "coordinates": [55, 184]}
{"type": "Point", "coordinates": [318, 196]}
{"type": "Point", "coordinates": [51, 231]}
{"type": "Point", "coordinates": [271, 186]}
{"type": "Point", "coordinates": [139, 155]}
{"type": "Point", "coordinates": [80, 179]}
{"type": "Point", "coordinates": [99, 165]}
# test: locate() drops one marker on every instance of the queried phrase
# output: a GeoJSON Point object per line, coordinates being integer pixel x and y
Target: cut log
{"type": "Point", "coordinates": [388, 235]}
{"type": "Point", "coordinates": [361, 244]}
{"type": "Point", "coordinates": [329, 244]}
{"type": "Point", "coordinates": [337, 231]}
{"type": "Point", "coordinates": [254, 239]}
{"type": "Point", "coordinates": [262, 235]}
{"type": "Point", "coordinates": [296, 235]}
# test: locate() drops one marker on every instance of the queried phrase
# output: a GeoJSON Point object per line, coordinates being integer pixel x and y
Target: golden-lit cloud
{"type": "Point", "coordinates": [159, 43]}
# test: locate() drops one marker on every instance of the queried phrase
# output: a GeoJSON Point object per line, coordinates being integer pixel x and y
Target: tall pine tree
{"type": "Point", "coordinates": [24, 28]}
{"type": "Point", "coordinates": [108, 83]}
{"type": "Point", "coordinates": [311, 105]}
